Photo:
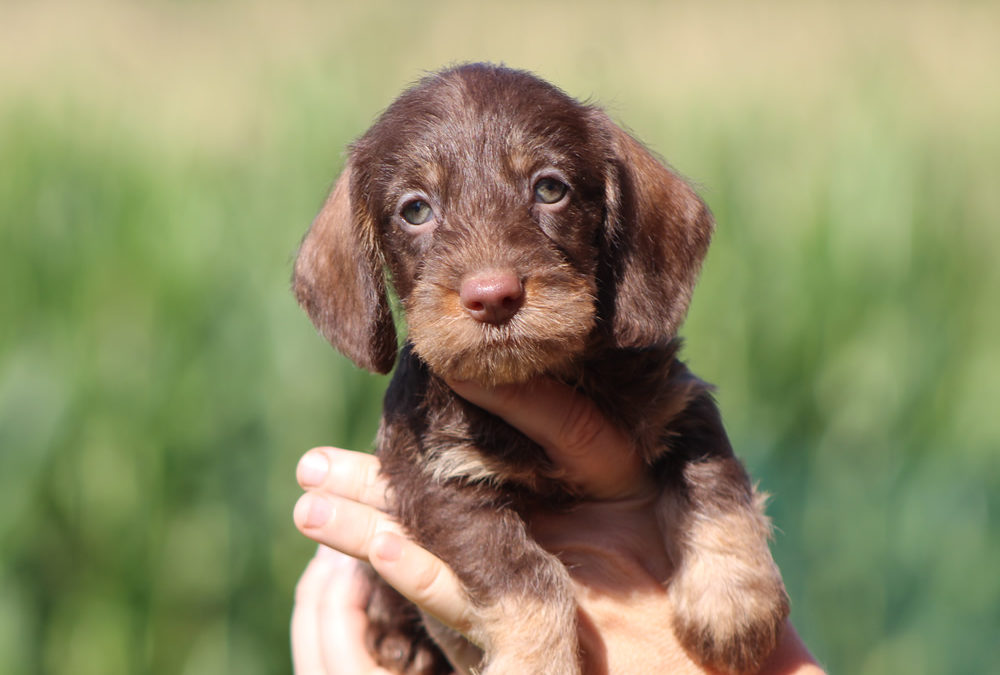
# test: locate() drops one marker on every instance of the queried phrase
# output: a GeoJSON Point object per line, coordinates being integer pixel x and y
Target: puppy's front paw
{"type": "Point", "coordinates": [729, 601]}
{"type": "Point", "coordinates": [396, 637]}
{"type": "Point", "coordinates": [528, 636]}
{"type": "Point", "coordinates": [735, 639]}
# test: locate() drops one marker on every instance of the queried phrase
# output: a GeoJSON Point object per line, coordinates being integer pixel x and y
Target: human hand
{"type": "Point", "coordinates": [345, 512]}
{"type": "Point", "coordinates": [611, 545]}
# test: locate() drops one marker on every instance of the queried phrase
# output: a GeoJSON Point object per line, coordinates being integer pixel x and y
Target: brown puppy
{"type": "Point", "coordinates": [526, 234]}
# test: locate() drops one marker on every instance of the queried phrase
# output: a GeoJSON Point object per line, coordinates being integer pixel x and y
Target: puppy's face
{"type": "Point", "coordinates": [514, 223]}
{"type": "Point", "coordinates": [488, 207]}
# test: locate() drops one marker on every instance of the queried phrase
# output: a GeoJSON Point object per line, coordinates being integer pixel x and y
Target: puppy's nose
{"type": "Point", "coordinates": [492, 297]}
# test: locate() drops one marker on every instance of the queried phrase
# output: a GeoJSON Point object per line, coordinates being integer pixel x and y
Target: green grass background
{"type": "Point", "coordinates": [159, 162]}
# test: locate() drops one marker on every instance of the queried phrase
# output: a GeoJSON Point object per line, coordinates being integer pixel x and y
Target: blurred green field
{"type": "Point", "coordinates": [159, 162]}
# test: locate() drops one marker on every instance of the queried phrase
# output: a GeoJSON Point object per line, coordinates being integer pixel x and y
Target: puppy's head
{"type": "Point", "coordinates": [513, 222]}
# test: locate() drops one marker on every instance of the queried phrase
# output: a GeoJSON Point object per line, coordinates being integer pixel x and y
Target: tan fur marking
{"type": "Point", "coordinates": [728, 597]}
{"type": "Point", "coordinates": [549, 330]}
{"type": "Point", "coordinates": [463, 463]}
{"type": "Point", "coordinates": [528, 636]}
{"type": "Point", "coordinates": [521, 163]}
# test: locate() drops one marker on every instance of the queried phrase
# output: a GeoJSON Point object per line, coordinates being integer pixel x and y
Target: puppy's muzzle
{"type": "Point", "coordinates": [492, 297]}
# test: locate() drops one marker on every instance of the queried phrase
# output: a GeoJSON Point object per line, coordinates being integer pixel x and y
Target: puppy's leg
{"type": "Point", "coordinates": [523, 606]}
{"type": "Point", "coordinates": [396, 635]}
{"type": "Point", "coordinates": [455, 646]}
{"type": "Point", "coordinates": [728, 598]}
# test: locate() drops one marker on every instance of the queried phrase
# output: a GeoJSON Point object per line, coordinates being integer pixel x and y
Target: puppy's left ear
{"type": "Point", "coordinates": [656, 236]}
{"type": "Point", "coordinates": [339, 281]}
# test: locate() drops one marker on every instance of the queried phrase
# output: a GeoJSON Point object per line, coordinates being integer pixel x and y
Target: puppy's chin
{"type": "Point", "coordinates": [500, 361]}
{"type": "Point", "coordinates": [545, 336]}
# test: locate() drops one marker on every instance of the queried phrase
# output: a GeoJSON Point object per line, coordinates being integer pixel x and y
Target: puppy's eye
{"type": "Point", "coordinates": [417, 212]}
{"type": "Point", "coordinates": [550, 190]}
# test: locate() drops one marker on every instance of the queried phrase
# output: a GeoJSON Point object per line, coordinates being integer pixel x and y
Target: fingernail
{"type": "Point", "coordinates": [312, 469]}
{"type": "Point", "coordinates": [312, 511]}
{"type": "Point", "coordinates": [388, 547]}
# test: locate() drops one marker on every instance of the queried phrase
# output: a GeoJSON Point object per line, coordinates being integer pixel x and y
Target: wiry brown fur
{"type": "Point", "coordinates": [606, 274]}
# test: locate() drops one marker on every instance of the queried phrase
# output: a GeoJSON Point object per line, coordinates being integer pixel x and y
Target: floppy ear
{"type": "Point", "coordinates": [656, 236]}
{"type": "Point", "coordinates": [339, 281]}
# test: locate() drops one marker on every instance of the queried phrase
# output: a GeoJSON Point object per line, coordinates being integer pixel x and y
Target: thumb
{"type": "Point", "coordinates": [594, 455]}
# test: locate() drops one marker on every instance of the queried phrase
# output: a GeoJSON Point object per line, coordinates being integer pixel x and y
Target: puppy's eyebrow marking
{"type": "Point", "coordinates": [420, 175]}
{"type": "Point", "coordinates": [435, 174]}
{"type": "Point", "coordinates": [521, 163]}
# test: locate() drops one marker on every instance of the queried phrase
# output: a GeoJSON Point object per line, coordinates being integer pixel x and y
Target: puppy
{"type": "Point", "coordinates": [526, 234]}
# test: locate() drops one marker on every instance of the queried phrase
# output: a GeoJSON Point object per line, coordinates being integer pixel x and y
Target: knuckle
{"type": "Point", "coordinates": [507, 397]}
{"type": "Point", "coordinates": [305, 593]}
{"type": "Point", "coordinates": [308, 586]}
{"type": "Point", "coordinates": [373, 489]}
{"type": "Point", "coordinates": [372, 526]}
{"type": "Point", "coordinates": [428, 582]}
{"type": "Point", "coordinates": [580, 428]}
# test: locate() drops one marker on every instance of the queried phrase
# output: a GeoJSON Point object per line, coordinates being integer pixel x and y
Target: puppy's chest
{"type": "Point", "coordinates": [427, 429]}
{"type": "Point", "coordinates": [469, 445]}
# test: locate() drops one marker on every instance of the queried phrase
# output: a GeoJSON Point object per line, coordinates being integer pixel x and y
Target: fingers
{"type": "Point", "coordinates": [363, 532]}
{"type": "Point", "coordinates": [329, 621]}
{"type": "Point", "coordinates": [422, 578]}
{"type": "Point", "coordinates": [352, 475]}
{"type": "Point", "coordinates": [307, 651]}
{"type": "Point", "coordinates": [340, 523]}
{"type": "Point", "coordinates": [343, 512]}
{"type": "Point", "coordinates": [595, 455]}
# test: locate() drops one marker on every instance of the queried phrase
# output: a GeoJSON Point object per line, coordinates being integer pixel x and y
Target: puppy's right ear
{"type": "Point", "coordinates": [339, 281]}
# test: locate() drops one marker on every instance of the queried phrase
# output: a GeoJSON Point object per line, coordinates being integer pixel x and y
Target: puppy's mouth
{"type": "Point", "coordinates": [548, 329]}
